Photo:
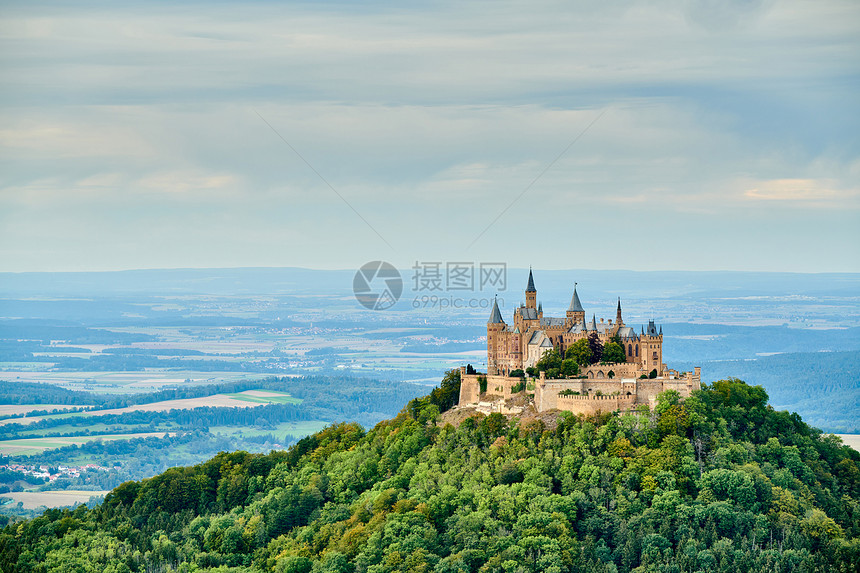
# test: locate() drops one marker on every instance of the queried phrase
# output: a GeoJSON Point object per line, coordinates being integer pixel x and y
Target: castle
{"type": "Point", "coordinates": [517, 347]}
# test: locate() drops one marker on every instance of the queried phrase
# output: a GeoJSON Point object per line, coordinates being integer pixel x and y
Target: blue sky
{"type": "Point", "coordinates": [723, 135]}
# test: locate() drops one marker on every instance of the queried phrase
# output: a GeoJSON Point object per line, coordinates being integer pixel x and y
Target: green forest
{"type": "Point", "coordinates": [717, 482]}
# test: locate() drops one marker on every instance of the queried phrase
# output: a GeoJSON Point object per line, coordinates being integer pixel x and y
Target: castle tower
{"type": "Point", "coordinates": [495, 344]}
{"type": "Point", "coordinates": [575, 312]}
{"type": "Point", "coordinates": [651, 345]}
{"type": "Point", "coordinates": [516, 350]}
{"type": "Point", "coordinates": [531, 292]}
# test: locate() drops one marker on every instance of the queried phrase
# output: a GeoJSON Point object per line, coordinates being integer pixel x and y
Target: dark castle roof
{"type": "Point", "coordinates": [495, 315]}
{"type": "Point", "coordinates": [652, 328]}
{"type": "Point", "coordinates": [531, 285]}
{"type": "Point", "coordinates": [575, 305]}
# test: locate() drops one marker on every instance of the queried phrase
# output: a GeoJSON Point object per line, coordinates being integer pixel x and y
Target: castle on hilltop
{"type": "Point", "coordinates": [518, 347]}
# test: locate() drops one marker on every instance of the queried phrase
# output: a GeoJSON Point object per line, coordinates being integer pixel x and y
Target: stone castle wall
{"type": "Point", "coordinates": [616, 394]}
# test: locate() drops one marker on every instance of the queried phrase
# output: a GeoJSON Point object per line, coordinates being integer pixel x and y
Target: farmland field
{"type": "Point", "coordinates": [246, 399]}
{"type": "Point", "coordinates": [852, 440]}
{"type": "Point", "coordinates": [115, 382]}
{"type": "Point", "coordinates": [29, 446]}
{"type": "Point", "coordinates": [13, 409]}
{"type": "Point", "coordinates": [292, 428]}
{"type": "Point", "coordinates": [35, 499]}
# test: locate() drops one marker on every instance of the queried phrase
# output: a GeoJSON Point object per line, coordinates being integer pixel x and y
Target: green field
{"type": "Point", "coordinates": [272, 397]}
{"type": "Point", "coordinates": [30, 446]}
{"type": "Point", "coordinates": [36, 499]}
{"type": "Point", "coordinates": [226, 400]}
{"type": "Point", "coordinates": [99, 429]}
{"type": "Point", "coordinates": [298, 429]}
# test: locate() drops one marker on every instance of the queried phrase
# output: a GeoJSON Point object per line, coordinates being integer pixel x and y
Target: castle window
{"type": "Point", "coordinates": [637, 351]}
{"type": "Point", "coordinates": [629, 350]}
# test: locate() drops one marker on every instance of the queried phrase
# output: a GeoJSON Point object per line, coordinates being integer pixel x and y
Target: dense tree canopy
{"type": "Point", "coordinates": [613, 352]}
{"type": "Point", "coordinates": [580, 351]}
{"type": "Point", "coordinates": [717, 482]}
{"type": "Point", "coordinates": [554, 365]}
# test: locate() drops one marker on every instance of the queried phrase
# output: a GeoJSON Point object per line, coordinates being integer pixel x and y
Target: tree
{"type": "Point", "coordinates": [550, 363]}
{"type": "Point", "coordinates": [596, 347]}
{"type": "Point", "coordinates": [580, 351]}
{"type": "Point", "coordinates": [569, 367]}
{"type": "Point", "coordinates": [614, 352]}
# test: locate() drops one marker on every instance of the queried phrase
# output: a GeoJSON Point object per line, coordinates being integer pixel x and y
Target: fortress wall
{"type": "Point", "coordinates": [469, 388]}
{"type": "Point", "coordinates": [629, 391]}
{"type": "Point", "coordinates": [605, 386]}
{"type": "Point", "coordinates": [594, 404]}
{"type": "Point", "coordinates": [622, 370]}
{"type": "Point", "coordinates": [647, 390]}
{"type": "Point", "coordinates": [546, 393]}
{"type": "Point", "coordinates": [498, 387]}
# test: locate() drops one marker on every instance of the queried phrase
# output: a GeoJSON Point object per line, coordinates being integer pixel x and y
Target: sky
{"type": "Point", "coordinates": [698, 135]}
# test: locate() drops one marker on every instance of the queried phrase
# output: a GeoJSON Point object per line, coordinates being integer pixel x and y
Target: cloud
{"type": "Point", "coordinates": [184, 182]}
{"type": "Point", "coordinates": [821, 192]}
{"type": "Point", "coordinates": [429, 119]}
{"type": "Point", "coordinates": [70, 139]}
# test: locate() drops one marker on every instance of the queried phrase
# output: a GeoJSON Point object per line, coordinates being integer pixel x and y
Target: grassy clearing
{"type": "Point", "coordinates": [12, 409]}
{"type": "Point", "coordinates": [297, 429]}
{"type": "Point", "coordinates": [116, 382]}
{"type": "Point", "coordinates": [36, 499]}
{"type": "Point", "coordinates": [30, 446]}
{"type": "Point", "coordinates": [265, 397]}
{"type": "Point", "coordinates": [852, 440]}
{"type": "Point", "coordinates": [247, 399]}
{"type": "Point", "coordinates": [102, 429]}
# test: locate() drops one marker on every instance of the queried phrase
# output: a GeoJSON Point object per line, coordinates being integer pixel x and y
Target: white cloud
{"type": "Point", "coordinates": [803, 191]}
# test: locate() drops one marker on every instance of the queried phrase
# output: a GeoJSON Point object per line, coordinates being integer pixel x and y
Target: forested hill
{"type": "Point", "coordinates": [720, 482]}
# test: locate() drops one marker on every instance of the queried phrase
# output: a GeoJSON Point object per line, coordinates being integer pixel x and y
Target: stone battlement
{"type": "Point", "coordinates": [615, 394]}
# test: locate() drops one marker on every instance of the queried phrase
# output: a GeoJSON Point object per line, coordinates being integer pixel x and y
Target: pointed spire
{"type": "Point", "coordinates": [593, 322]}
{"type": "Point", "coordinates": [618, 319]}
{"type": "Point", "coordinates": [661, 330]}
{"type": "Point", "coordinates": [495, 315]}
{"type": "Point", "coordinates": [540, 307]}
{"type": "Point", "coordinates": [531, 285]}
{"type": "Point", "coordinates": [575, 305]}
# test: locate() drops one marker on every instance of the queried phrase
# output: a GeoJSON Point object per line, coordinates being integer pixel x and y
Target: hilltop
{"type": "Point", "coordinates": [717, 482]}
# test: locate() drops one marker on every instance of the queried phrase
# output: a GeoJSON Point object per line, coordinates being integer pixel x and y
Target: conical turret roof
{"type": "Point", "coordinates": [531, 285]}
{"type": "Point", "coordinates": [495, 315]}
{"type": "Point", "coordinates": [575, 305]}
